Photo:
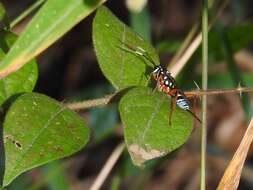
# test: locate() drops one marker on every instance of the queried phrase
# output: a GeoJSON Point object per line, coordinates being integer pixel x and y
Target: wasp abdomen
{"type": "Point", "coordinates": [182, 102]}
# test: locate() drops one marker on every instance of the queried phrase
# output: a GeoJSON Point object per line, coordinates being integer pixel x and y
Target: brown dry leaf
{"type": "Point", "coordinates": [231, 177]}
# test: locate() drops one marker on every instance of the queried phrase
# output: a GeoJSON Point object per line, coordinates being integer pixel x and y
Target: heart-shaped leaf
{"type": "Point", "coordinates": [24, 79]}
{"type": "Point", "coordinates": [121, 68]}
{"type": "Point", "coordinates": [38, 129]}
{"type": "Point", "coordinates": [147, 132]}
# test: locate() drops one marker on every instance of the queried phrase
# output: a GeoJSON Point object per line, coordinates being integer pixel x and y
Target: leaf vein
{"type": "Point", "coordinates": [121, 72]}
{"type": "Point", "coordinates": [36, 137]}
{"type": "Point", "coordinates": [157, 108]}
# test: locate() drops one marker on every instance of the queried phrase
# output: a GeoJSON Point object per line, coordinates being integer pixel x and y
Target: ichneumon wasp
{"type": "Point", "coordinates": [164, 81]}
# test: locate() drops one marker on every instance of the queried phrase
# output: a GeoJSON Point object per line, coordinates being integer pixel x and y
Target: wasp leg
{"type": "Point", "coordinates": [156, 87]}
{"type": "Point", "coordinates": [195, 116]}
{"type": "Point", "coordinates": [149, 78]}
{"type": "Point", "coordinates": [194, 109]}
{"type": "Point", "coordinates": [172, 108]}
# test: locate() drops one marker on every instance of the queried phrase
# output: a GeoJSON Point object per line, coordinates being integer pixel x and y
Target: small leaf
{"type": "Point", "coordinates": [53, 20]}
{"type": "Point", "coordinates": [23, 80]}
{"type": "Point", "coordinates": [38, 129]}
{"type": "Point", "coordinates": [147, 132]}
{"type": "Point", "coordinates": [121, 68]}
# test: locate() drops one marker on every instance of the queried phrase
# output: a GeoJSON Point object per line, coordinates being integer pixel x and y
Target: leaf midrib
{"type": "Point", "coordinates": [35, 139]}
{"type": "Point", "coordinates": [153, 114]}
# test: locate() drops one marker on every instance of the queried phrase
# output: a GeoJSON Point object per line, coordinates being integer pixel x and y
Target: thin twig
{"type": "Point", "coordinates": [217, 91]}
{"type": "Point", "coordinates": [90, 103]}
{"type": "Point", "coordinates": [108, 167]}
{"type": "Point", "coordinates": [105, 100]}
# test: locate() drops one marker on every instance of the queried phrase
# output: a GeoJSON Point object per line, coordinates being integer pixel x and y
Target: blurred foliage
{"type": "Point", "coordinates": [140, 22]}
{"type": "Point", "coordinates": [2, 12]}
{"type": "Point", "coordinates": [21, 81]}
{"type": "Point", "coordinates": [56, 177]}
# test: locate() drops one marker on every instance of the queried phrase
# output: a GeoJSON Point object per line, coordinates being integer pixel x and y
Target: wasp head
{"type": "Point", "coordinates": [158, 70]}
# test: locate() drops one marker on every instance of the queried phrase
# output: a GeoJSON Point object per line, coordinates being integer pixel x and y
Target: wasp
{"type": "Point", "coordinates": [164, 81]}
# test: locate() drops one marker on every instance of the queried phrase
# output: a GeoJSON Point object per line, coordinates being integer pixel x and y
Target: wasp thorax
{"type": "Point", "coordinates": [168, 82]}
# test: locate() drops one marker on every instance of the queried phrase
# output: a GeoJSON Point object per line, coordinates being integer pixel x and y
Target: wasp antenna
{"type": "Point", "coordinates": [128, 46]}
{"type": "Point", "coordinates": [147, 56]}
{"type": "Point", "coordinates": [196, 117]}
{"type": "Point", "coordinates": [137, 51]}
{"type": "Point", "coordinates": [126, 49]}
{"type": "Point", "coordinates": [142, 50]}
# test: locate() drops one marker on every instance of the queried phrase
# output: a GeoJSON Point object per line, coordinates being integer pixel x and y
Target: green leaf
{"type": "Point", "coordinates": [38, 129]}
{"type": "Point", "coordinates": [140, 22]}
{"type": "Point", "coordinates": [55, 177]}
{"type": "Point", "coordinates": [224, 80]}
{"type": "Point", "coordinates": [147, 132]}
{"type": "Point", "coordinates": [168, 46]}
{"type": "Point", "coordinates": [238, 36]}
{"type": "Point", "coordinates": [53, 20]}
{"type": "Point", "coordinates": [21, 81]}
{"type": "Point", "coordinates": [121, 68]}
{"type": "Point", "coordinates": [2, 12]}
{"type": "Point", "coordinates": [103, 121]}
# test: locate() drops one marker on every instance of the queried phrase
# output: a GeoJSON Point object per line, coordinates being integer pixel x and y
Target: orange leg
{"type": "Point", "coordinates": [194, 109]}
{"type": "Point", "coordinates": [156, 87]}
{"type": "Point", "coordinates": [172, 108]}
{"type": "Point", "coordinates": [149, 78]}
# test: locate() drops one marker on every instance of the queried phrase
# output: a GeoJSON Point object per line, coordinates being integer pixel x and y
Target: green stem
{"type": "Point", "coordinates": [26, 13]}
{"type": "Point", "coordinates": [204, 87]}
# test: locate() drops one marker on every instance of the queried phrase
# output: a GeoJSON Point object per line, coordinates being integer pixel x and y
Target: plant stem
{"type": "Point", "coordinates": [217, 91]}
{"type": "Point", "coordinates": [86, 104]}
{"type": "Point", "coordinates": [204, 87]}
{"type": "Point", "coordinates": [90, 103]}
{"type": "Point", "coordinates": [26, 13]}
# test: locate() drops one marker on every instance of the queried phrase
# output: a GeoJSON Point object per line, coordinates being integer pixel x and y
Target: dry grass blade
{"type": "Point", "coordinates": [231, 177]}
{"type": "Point", "coordinates": [176, 68]}
{"type": "Point", "coordinates": [107, 167]}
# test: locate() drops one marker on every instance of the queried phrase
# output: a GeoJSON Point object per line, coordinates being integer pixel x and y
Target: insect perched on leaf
{"type": "Point", "coordinates": [164, 81]}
